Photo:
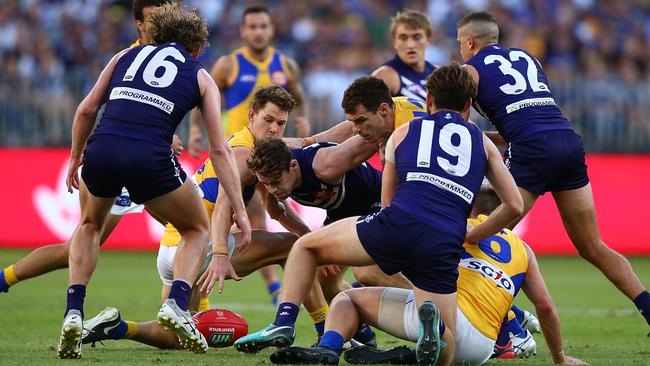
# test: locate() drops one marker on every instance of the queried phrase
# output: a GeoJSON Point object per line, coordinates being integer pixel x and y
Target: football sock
{"type": "Point", "coordinates": [274, 290]}
{"type": "Point", "coordinates": [180, 292]}
{"type": "Point", "coordinates": [642, 303]}
{"type": "Point", "coordinates": [441, 328]}
{"type": "Point", "coordinates": [518, 313]}
{"type": "Point", "coordinates": [318, 316]}
{"type": "Point", "coordinates": [132, 329]}
{"type": "Point", "coordinates": [514, 327]}
{"type": "Point", "coordinates": [364, 333]}
{"type": "Point", "coordinates": [120, 331]}
{"type": "Point", "coordinates": [76, 295]}
{"type": "Point", "coordinates": [332, 340]}
{"type": "Point", "coordinates": [286, 314]}
{"type": "Point", "coordinates": [503, 337]}
{"type": "Point", "coordinates": [7, 278]}
{"type": "Point", "coordinates": [204, 303]}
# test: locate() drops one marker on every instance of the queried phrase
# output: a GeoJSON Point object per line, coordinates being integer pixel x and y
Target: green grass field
{"type": "Point", "coordinates": [600, 325]}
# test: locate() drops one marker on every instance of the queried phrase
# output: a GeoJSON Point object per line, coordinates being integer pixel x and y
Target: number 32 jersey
{"type": "Point", "coordinates": [513, 93]}
{"type": "Point", "coordinates": [151, 89]}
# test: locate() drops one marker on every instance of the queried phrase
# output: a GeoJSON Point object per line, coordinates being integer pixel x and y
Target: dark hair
{"type": "Point", "coordinates": [254, 9]}
{"type": "Point", "coordinates": [274, 94]}
{"type": "Point", "coordinates": [412, 18]}
{"type": "Point", "coordinates": [484, 26]}
{"type": "Point", "coordinates": [171, 22]}
{"type": "Point", "coordinates": [270, 158]}
{"type": "Point", "coordinates": [476, 16]}
{"type": "Point", "coordinates": [451, 87]}
{"type": "Point", "coordinates": [139, 5]}
{"type": "Point", "coordinates": [368, 91]}
{"type": "Point", "coordinates": [486, 201]}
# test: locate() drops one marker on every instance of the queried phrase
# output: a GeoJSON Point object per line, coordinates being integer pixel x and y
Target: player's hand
{"type": "Point", "coordinates": [219, 269]}
{"type": "Point", "coordinates": [469, 235]}
{"type": "Point", "coordinates": [275, 208]}
{"type": "Point", "coordinates": [177, 145]}
{"type": "Point", "coordinates": [294, 142]}
{"type": "Point", "coordinates": [573, 361]}
{"type": "Point", "coordinates": [72, 179]}
{"type": "Point", "coordinates": [302, 126]}
{"type": "Point", "coordinates": [194, 143]}
{"type": "Point", "coordinates": [241, 220]}
{"type": "Point", "coordinates": [331, 269]}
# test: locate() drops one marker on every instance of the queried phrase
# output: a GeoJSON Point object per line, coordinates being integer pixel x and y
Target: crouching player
{"type": "Point", "coordinates": [490, 276]}
{"type": "Point", "coordinates": [267, 118]}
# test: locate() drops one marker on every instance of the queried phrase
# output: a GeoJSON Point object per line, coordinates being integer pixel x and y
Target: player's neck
{"type": "Point", "coordinates": [419, 66]}
{"type": "Point", "coordinates": [258, 55]}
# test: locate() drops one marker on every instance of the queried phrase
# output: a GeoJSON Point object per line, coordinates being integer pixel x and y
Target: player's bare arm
{"type": "Point", "coordinates": [389, 177]}
{"type": "Point", "coordinates": [282, 212]}
{"type": "Point", "coordinates": [331, 164]}
{"type": "Point", "coordinates": [390, 77]}
{"type": "Point", "coordinates": [301, 114]}
{"type": "Point", "coordinates": [338, 134]}
{"type": "Point", "coordinates": [504, 184]}
{"type": "Point", "coordinates": [537, 292]}
{"type": "Point", "coordinates": [221, 155]}
{"type": "Point", "coordinates": [84, 119]}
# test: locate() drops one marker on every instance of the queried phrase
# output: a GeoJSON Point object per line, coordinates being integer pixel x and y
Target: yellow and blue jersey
{"type": "Point", "coordinates": [135, 44]}
{"type": "Point", "coordinates": [247, 75]}
{"type": "Point", "coordinates": [407, 109]}
{"type": "Point", "coordinates": [490, 276]}
{"type": "Point", "coordinates": [207, 183]}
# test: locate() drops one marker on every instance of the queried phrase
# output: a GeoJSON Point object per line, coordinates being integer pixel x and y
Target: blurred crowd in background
{"type": "Point", "coordinates": [594, 51]}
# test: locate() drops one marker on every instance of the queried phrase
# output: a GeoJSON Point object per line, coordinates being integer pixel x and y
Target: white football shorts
{"type": "Point", "coordinates": [166, 255]}
{"type": "Point", "coordinates": [398, 316]}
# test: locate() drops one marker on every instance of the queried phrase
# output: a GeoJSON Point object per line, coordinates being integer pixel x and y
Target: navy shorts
{"type": "Point", "coordinates": [146, 170]}
{"type": "Point", "coordinates": [399, 242]}
{"type": "Point", "coordinates": [552, 161]}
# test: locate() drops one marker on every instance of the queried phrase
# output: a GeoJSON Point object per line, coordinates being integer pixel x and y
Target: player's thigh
{"type": "Point", "coordinates": [529, 199]}
{"type": "Point", "coordinates": [94, 210]}
{"type": "Point", "coordinates": [337, 243]}
{"type": "Point", "coordinates": [446, 304]}
{"type": "Point", "coordinates": [111, 224]}
{"type": "Point", "coordinates": [264, 249]}
{"type": "Point", "coordinates": [181, 207]}
{"type": "Point", "coordinates": [578, 213]}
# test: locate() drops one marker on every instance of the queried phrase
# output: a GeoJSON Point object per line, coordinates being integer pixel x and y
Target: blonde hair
{"type": "Point", "coordinates": [413, 18]}
{"type": "Point", "coordinates": [174, 23]}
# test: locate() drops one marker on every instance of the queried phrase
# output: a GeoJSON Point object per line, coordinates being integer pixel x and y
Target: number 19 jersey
{"type": "Point", "coordinates": [440, 163]}
{"type": "Point", "coordinates": [513, 93]}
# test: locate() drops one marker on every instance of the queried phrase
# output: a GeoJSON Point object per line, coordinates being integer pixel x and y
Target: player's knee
{"type": "Point", "coordinates": [364, 275]}
{"type": "Point", "coordinates": [592, 250]}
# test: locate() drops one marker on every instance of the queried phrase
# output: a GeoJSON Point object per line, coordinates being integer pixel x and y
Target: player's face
{"type": "Point", "coordinates": [268, 122]}
{"type": "Point", "coordinates": [144, 36]}
{"type": "Point", "coordinates": [280, 187]}
{"type": "Point", "coordinates": [371, 126]}
{"type": "Point", "coordinates": [463, 40]}
{"type": "Point", "coordinates": [410, 44]}
{"type": "Point", "coordinates": [257, 31]}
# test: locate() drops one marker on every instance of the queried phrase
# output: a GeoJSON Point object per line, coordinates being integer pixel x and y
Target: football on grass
{"type": "Point", "coordinates": [221, 327]}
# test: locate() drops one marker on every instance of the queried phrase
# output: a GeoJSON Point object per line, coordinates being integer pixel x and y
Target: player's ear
{"type": "Point", "coordinates": [293, 164]}
{"type": "Point", "coordinates": [429, 103]}
{"type": "Point", "coordinates": [251, 114]}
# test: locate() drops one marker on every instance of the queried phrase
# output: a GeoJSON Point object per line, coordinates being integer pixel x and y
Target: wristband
{"type": "Point", "coordinates": [310, 140]}
{"type": "Point", "coordinates": [216, 251]}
